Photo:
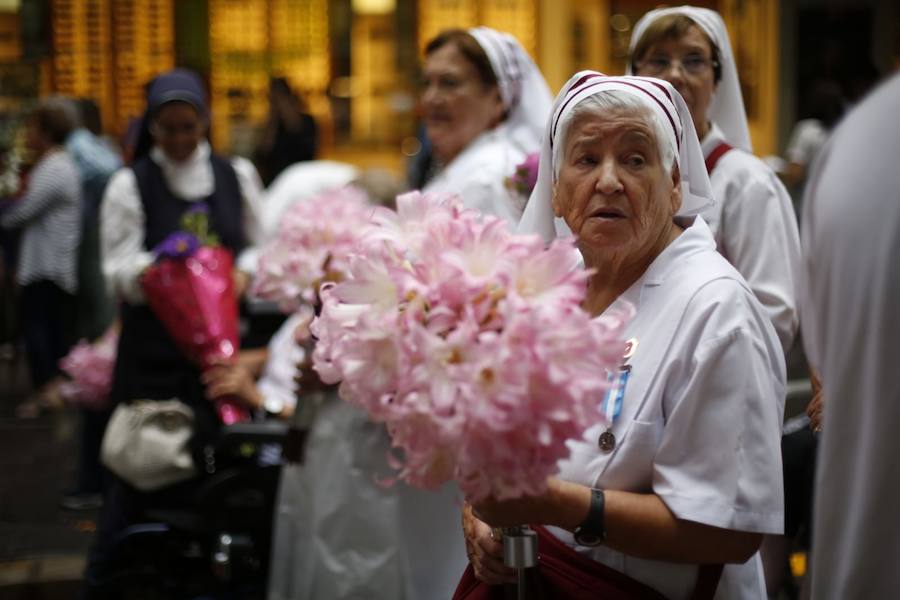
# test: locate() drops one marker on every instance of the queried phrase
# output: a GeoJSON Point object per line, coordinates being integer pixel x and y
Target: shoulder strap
{"type": "Point", "coordinates": [718, 152]}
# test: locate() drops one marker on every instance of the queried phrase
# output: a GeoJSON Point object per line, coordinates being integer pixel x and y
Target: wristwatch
{"type": "Point", "coordinates": [591, 531]}
{"type": "Point", "coordinates": [274, 406]}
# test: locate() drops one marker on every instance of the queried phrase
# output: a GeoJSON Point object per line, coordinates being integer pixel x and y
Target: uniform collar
{"type": "Point", "coordinates": [712, 139]}
{"type": "Point", "coordinates": [191, 179]}
{"type": "Point", "coordinates": [199, 155]}
{"type": "Point", "coordinates": [695, 238]}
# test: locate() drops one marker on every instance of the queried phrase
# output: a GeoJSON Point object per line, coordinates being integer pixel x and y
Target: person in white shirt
{"type": "Point", "coordinates": [484, 104]}
{"type": "Point", "coordinates": [850, 294]}
{"type": "Point", "coordinates": [753, 221]}
{"type": "Point", "coordinates": [689, 471]}
{"type": "Point", "coordinates": [824, 108]}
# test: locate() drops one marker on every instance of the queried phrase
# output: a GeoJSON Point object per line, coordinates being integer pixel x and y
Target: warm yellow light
{"type": "Point", "coordinates": [10, 5]}
{"type": "Point", "coordinates": [374, 7]}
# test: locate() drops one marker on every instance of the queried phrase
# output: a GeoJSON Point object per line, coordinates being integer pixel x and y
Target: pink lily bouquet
{"type": "Point", "coordinates": [470, 344]}
{"type": "Point", "coordinates": [314, 242]}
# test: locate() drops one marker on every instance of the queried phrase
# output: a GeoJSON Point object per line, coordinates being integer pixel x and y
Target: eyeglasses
{"type": "Point", "coordinates": [692, 64]}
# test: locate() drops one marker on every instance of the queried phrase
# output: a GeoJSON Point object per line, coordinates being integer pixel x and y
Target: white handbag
{"type": "Point", "coordinates": [146, 443]}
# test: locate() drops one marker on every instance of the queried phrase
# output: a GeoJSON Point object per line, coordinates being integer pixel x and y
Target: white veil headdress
{"type": "Point", "coordinates": [660, 97]}
{"type": "Point", "coordinates": [523, 89]}
{"type": "Point", "coordinates": [727, 107]}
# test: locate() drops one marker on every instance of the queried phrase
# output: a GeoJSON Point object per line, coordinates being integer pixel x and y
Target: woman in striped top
{"type": "Point", "coordinates": [49, 216]}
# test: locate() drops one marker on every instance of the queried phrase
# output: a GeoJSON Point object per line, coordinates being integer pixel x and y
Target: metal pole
{"type": "Point", "coordinates": [520, 553]}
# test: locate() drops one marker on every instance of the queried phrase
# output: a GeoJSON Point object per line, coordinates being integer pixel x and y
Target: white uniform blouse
{"type": "Point", "coordinates": [478, 176]}
{"type": "Point", "coordinates": [122, 216]}
{"type": "Point", "coordinates": [755, 229]}
{"type": "Point", "coordinates": [701, 418]}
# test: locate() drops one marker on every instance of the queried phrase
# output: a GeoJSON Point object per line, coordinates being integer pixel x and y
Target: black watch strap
{"type": "Point", "coordinates": [591, 532]}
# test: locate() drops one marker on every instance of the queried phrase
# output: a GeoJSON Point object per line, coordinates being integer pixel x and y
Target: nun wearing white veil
{"type": "Point", "coordinates": [753, 221]}
{"type": "Point", "coordinates": [484, 104]}
{"type": "Point", "coordinates": [687, 473]}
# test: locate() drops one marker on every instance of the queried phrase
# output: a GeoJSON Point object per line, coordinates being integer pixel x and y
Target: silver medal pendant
{"type": "Point", "coordinates": [607, 441]}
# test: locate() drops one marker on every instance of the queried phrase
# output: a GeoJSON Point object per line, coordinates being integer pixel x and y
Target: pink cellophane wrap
{"type": "Point", "coordinates": [90, 370]}
{"type": "Point", "coordinates": [470, 344]}
{"type": "Point", "coordinates": [194, 299]}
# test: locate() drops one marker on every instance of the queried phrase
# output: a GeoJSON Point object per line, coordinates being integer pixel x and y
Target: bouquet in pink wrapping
{"type": "Point", "coordinates": [313, 245]}
{"type": "Point", "coordinates": [89, 367]}
{"type": "Point", "coordinates": [470, 344]}
{"type": "Point", "coordinates": [191, 291]}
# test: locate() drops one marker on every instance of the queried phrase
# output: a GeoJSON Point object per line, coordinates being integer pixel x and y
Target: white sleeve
{"type": "Point", "coordinates": [487, 193]}
{"type": "Point", "coordinates": [122, 237]}
{"type": "Point", "coordinates": [719, 460]}
{"type": "Point", "coordinates": [760, 239]}
{"type": "Point", "coordinates": [252, 194]}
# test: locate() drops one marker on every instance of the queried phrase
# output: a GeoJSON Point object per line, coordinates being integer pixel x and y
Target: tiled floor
{"type": "Point", "coordinates": [41, 546]}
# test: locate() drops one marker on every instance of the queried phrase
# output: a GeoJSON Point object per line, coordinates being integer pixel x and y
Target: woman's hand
{"type": "Point", "coordinates": [814, 408]}
{"type": "Point", "coordinates": [564, 504]}
{"type": "Point", "coordinates": [240, 282]}
{"type": "Point", "coordinates": [228, 379]}
{"type": "Point", "coordinates": [509, 513]}
{"type": "Point", "coordinates": [484, 552]}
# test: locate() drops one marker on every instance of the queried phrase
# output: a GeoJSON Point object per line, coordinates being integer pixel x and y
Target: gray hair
{"type": "Point", "coordinates": [604, 101]}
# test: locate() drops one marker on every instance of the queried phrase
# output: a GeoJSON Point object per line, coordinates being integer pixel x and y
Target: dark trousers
{"type": "Point", "coordinates": [48, 314]}
{"type": "Point", "coordinates": [92, 475]}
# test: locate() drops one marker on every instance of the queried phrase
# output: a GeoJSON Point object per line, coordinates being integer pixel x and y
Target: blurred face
{"type": "Point", "coordinates": [686, 63]}
{"type": "Point", "coordinates": [613, 191]}
{"type": "Point", "coordinates": [457, 105]}
{"type": "Point", "coordinates": [35, 139]}
{"type": "Point", "coordinates": [177, 129]}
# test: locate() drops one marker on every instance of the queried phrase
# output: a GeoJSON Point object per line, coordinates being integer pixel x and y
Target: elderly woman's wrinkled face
{"type": "Point", "coordinates": [456, 103]}
{"type": "Point", "coordinates": [178, 128]}
{"type": "Point", "coordinates": [613, 191]}
{"type": "Point", "coordinates": [686, 63]}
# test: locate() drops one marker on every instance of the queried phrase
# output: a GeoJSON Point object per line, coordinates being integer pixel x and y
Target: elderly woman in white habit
{"type": "Point", "coordinates": [485, 103]}
{"type": "Point", "coordinates": [753, 219]}
{"type": "Point", "coordinates": [686, 470]}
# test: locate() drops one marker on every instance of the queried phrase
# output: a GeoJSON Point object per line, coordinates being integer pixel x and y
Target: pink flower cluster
{"type": "Point", "coordinates": [90, 371]}
{"type": "Point", "coordinates": [525, 177]}
{"type": "Point", "coordinates": [470, 344]}
{"type": "Point", "coordinates": [313, 244]}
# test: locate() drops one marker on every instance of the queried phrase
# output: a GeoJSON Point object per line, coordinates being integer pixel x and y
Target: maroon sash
{"type": "Point", "coordinates": [564, 574]}
{"type": "Point", "coordinates": [718, 152]}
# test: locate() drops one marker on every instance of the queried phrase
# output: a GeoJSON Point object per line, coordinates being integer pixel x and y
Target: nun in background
{"type": "Point", "coordinates": [173, 169]}
{"type": "Point", "coordinates": [753, 219]}
{"type": "Point", "coordinates": [484, 105]}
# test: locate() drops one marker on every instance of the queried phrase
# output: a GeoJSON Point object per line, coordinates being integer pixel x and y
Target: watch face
{"type": "Point", "coordinates": [273, 405]}
{"type": "Point", "coordinates": [587, 538]}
